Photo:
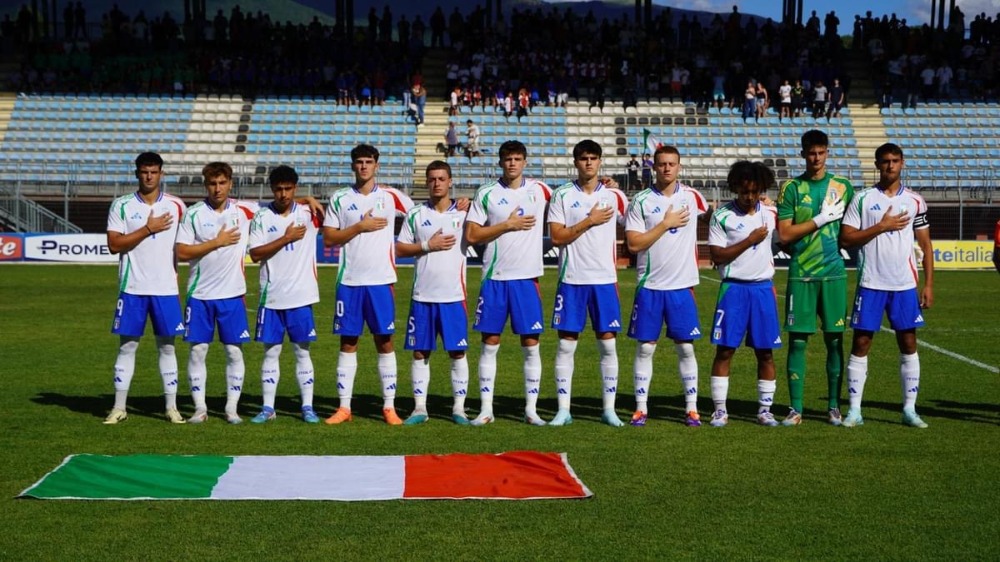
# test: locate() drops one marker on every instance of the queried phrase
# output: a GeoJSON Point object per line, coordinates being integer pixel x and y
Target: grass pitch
{"type": "Point", "coordinates": [882, 491]}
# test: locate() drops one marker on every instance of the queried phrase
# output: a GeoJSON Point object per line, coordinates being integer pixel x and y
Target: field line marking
{"type": "Point", "coordinates": [921, 343]}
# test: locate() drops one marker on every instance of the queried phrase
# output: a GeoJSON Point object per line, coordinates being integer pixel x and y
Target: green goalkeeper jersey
{"type": "Point", "coordinates": [816, 256]}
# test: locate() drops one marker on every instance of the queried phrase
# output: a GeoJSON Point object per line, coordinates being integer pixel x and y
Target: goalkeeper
{"type": "Point", "coordinates": [810, 208]}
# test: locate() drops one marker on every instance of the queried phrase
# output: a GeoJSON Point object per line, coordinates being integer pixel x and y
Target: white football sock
{"type": "Point", "coordinates": [765, 395]}
{"type": "Point", "coordinates": [643, 373]}
{"type": "Point", "coordinates": [198, 375]}
{"type": "Point", "coordinates": [347, 368]}
{"type": "Point", "coordinates": [909, 378]}
{"type": "Point", "coordinates": [304, 372]}
{"type": "Point", "coordinates": [720, 391]}
{"type": "Point", "coordinates": [609, 371]}
{"type": "Point", "coordinates": [487, 376]}
{"type": "Point", "coordinates": [532, 377]}
{"type": "Point", "coordinates": [387, 372]}
{"type": "Point", "coordinates": [124, 369]}
{"type": "Point", "coordinates": [168, 370]}
{"type": "Point", "coordinates": [420, 374]}
{"type": "Point", "coordinates": [270, 373]}
{"type": "Point", "coordinates": [857, 374]}
{"type": "Point", "coordinates": [564, 372]}
{"type": "Point", "coordinates": [235, 372]}
{"type": "Point", "coordinates": [459, 383]}
{"type": "Point", "coordinates": [687, 368]}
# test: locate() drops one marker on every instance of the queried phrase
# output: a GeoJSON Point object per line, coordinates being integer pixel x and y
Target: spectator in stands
{"type": "Point", "coordinates": [785, 103]}
{"type": "Point", "coordinates": [453, 101]}
{"type": "Point", "coordinates": [927, 76]}
{"type": "Point", "coordinates": [142, 227]}
{"type": "Point", "coordinates": [451, 139]}
{"type": "Point", "coordinates": [472, 135]}
{"type": "Point", "coordinates": [837, 99]}
{"type": "Point", "coordinates": [750, 101]}
{"type": "Point", "coordinates": [944, 74]}
{"type": "Point", "coordinates": [798, 98]}
{"type": "Point", "coordinates": [647, 170]}
{"type": "Point", "coordinates": [633, 167]}
{"type": "Point", "coordinates": [420, 99]}
{"type": "Point", "coordinates": [819, 99]}
{"type": "Point", "coordinates": [763, 101]}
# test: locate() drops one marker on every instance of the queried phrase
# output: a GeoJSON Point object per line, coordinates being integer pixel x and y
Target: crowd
{"type": "Point", "coordinates": [505, 65]}
{"type": "Point", "coordinates": [815, 214]}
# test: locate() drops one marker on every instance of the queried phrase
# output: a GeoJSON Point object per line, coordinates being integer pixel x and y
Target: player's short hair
{"type": "Point", "coordinates": [364, 151]}
{"type": "Point", "coordinates": [438, 165]}
{"type": "Point", "coordinates": [148, 159]}
{"type": "Point", "coordinates": [888, 148]}
{"type": "Point", "coordinates": [745, 172]}
{"type": "Point", "coordinates": [814, 137]}
{"type": "Point", "coordinates": [512, 147]}
{"type": "Point", "coordinates": [667, 149]}
{"type": "Point", "coordinates": [283, 174]}
{"type": "Point", "coordinates": [586, 146]}
{"type": "Point", "coordinates": [215, 169]}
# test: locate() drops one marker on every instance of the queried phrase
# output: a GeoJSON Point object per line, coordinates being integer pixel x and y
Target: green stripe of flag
{"type": "Point", "coordinates": [132, 477]}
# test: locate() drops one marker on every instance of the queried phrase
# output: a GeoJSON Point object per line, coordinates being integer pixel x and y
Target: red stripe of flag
{"type": "Point", "coordinates": [515, 475]}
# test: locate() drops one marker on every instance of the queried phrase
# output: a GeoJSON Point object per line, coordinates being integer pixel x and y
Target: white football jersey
{"type": "Point", "coordinates": [672, 261]}
{"type": "Point", "coordinates": [730, 226]}
{"type": "Point", "coordinates": [590, 259]}
{"type": "Point", "coordinates": [887, 262]}
{"type": "Point", "coordinates": [370, 257]}
{"type": "Point", "coordinates": [219, 273]}
{"type": "Point", "coordinates": [288, 278]}
{"type": "Point", "coordinates": [438, 276]}
{"type": "Point", "coordinates": [516, 254]}
{"type": "Point", "coordinates": [150, 267]}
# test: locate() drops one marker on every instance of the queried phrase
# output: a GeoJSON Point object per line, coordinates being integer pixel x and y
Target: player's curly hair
{"type": "Point", "coordinates": [745, 172]}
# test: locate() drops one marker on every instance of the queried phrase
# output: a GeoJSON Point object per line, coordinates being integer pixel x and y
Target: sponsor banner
{"type": "Point", "coordinates": [963, 254]}
{"type": "Point", "coordinates": [87, 248]}
{"type": "Point", "coordinates": [11, 246]}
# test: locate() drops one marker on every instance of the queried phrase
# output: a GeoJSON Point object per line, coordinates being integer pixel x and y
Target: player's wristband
{"type": "Point", "coordinates": [425, 246]}
{"type": "Point", "coordinates": [150, 230]}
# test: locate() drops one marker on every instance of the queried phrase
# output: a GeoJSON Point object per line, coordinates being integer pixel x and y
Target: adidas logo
{"type": "Point", "coordinates": [561, 391]}
{"type": "Point", "coordinates": [310, 381]}
{"type": "Point", "coordinates": [807, 199]}
{"type": "Point", "coordinates": [273, 229]}
{"type": "Point", "coordinates": [236, 388]}
{"type": "Point", "coordinates": [460, 393]}
{"type": "Point", "coordinates": [391, 326]}
{"type": "Point", "coordinates": [656, 210]}
{"type": "Point", "coordinates": [180, 327]}
{"type": "Point", "coordinates": [353, 207]}
{"type": "Point", "coordinates": [136, 217]}
{"type": "Point", "coordinates": [640, 392]}
{"type": "Point", "coordinates": [503, 201]}
{"type": "Point", "coordinates": [695, 332]}
{"type": "Point", "coordinates": [484, 389]}
{"type": "Point", "coordinates": [876, 207]}
{"type": "Point", "coordinates": [245, 334]}
{"type": "Point", "coordinates": [195, 389]}
{"type": "Point", "coordinates": [172, 383]}
{"type": "Point", "coordinates": [418, 392]}
{"type": "Point", "coordinates": [463, 342]}
{"type": "Point", "coordinates": [536, 326]}
{"type": "Point", "coordinates": [426, 223]}
{"type": "Point", "coordinates": [611, 389]}
{"type": "Point", "coordinates": [840, 322]}
{"type": "Point", "coordinates": [340, 386]}
{"type": "Point", "coordinates": [692, 391]}
{"type": "Point", "coordinates": [269, 380]}
{"type": "Point", "coordinates": [575, 205]}
{"type": "Point", "coordinates": [312, 333]}
{"type": "Point", "coordinates": [777, 340]}
{"type": "Point", "coordinates": [118, 379]}
{"type": "Point", "coordinates": [920, 318]}
{"type": "Point", "coordinates": [533, 391]}
{"type": "Point", "coordinates": [740, 227]}
{"type": "Point", "coordinates": [614, 324]}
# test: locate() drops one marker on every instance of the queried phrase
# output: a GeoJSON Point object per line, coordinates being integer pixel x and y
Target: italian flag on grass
{"type": "Point", "coordinates": [520, 475]}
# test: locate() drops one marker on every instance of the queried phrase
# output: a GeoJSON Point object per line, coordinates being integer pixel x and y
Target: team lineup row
{"type": "Point", "coordinates": [815, 215]}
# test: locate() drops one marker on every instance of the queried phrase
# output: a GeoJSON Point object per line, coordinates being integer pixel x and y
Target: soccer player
{"type": "Point", "coordinates": [142, 227]}
{"type": "Point", "coordinates": [659, 230]}
{"type": "Point", "coordinates": [996, 247]}
{"type": "Point", "coordinates": [212, 237]}
{"type": "Point", "coordinates": [506, 216]}
{"type": "Point", "coordinates": [882, 222]}
{"type": "Point", "coordinates": [283, 241]}
{"type": "Point", "coordinates": [810, 208]}
{"type": "Point", "coordinates": [361, 219]}
{"type": "Point", "coordinates": [433, 233]}
{"type": "Point", "coordinates": [581, 225]}
{"type": "Point", "coordinates": [739, 239]}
